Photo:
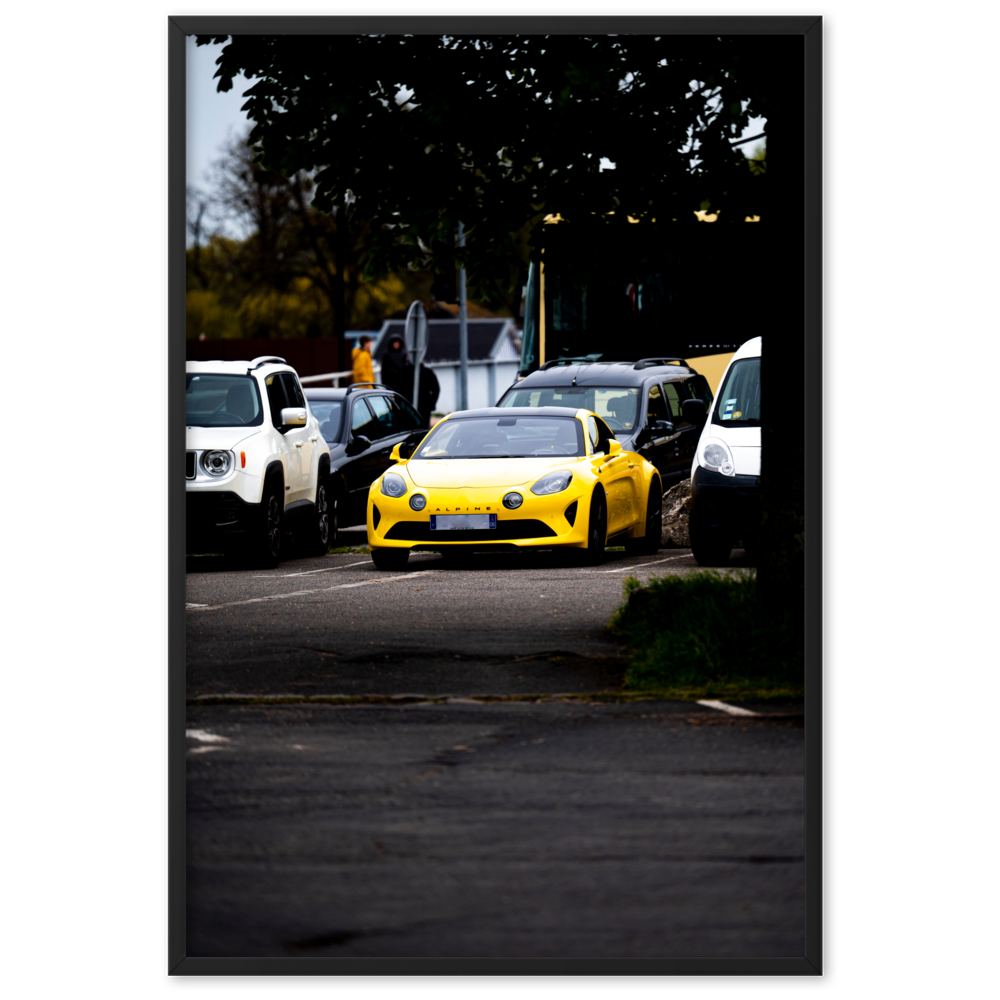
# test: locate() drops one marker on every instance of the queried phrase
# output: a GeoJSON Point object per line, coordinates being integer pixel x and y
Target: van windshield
{"type": "Point", "coordinates": [738, 401]}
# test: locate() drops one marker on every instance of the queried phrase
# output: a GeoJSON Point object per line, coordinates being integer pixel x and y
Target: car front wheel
{"type": "Point", "coordinates": [597, 529]}
{"type": "Point", "coordinates": [649, 544]}
{"type": "Point", "coordinates": [319, 535]}
{"type": "Point", "coordinates": [267, 547]}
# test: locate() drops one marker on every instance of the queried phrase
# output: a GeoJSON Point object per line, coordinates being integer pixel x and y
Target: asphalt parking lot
{"type": "Point", "coordinates": [416, 821]}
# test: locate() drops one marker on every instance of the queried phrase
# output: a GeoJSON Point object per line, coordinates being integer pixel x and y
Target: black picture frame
{"type": "Point", "coordinates": [809, 29]}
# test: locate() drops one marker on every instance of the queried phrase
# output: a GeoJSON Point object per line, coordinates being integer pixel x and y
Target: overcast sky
{"type": "Point", "coordinates": [213, 117]}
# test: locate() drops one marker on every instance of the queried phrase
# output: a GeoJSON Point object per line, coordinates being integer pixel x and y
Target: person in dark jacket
{"type": "Point", "coordinates": [397, 372]}
{"type": "Point", "coordinates": [429, 391]}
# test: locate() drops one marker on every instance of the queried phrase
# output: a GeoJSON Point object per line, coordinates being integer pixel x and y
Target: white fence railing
{"type": "Point", "coordinates": [487, 381]}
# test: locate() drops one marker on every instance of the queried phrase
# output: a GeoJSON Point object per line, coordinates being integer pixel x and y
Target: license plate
{"type": "Point", "coordinates": [463, 522]}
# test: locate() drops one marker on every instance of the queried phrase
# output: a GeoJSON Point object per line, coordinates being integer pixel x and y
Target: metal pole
{"type": "Point", "coordinates": [463, 333]}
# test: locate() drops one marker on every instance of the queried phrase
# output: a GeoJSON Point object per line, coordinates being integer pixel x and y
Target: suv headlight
{"type": "Point", "coordinates": [715, 456]}
{"type": "Point", "coordinates": [217, 463]}
{"type": "Point", "coordinates": [393, 485]}
{"type": "Point", "coordinates": [554, 482]}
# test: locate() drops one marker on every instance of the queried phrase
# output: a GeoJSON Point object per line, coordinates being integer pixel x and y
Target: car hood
{"type": "Point", "coordinates": [460, 473]}
{"type": "Point", "coordinates": [218, 438]}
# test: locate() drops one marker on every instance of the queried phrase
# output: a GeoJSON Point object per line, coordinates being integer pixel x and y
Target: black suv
{"type": "Point", "coordinates": [655, 406]}
{"type": "Point", "coordinates": [362, 424]}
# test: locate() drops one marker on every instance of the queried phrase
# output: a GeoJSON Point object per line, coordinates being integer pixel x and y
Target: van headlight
{"type": "Point", "coordinates": [217, 463]}
{"type": "Point", "coordinates": [714, 455]}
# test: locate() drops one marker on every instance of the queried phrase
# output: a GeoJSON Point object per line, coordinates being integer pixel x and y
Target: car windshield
{"type": "Point", "coordinates": [617, 406]}
{"type": "Point", "coordinates": [327, 412]}
{"type": "Point", "coordinates": [738, 401]}
{"type": "Point", "coordinates": [223, 401]}
{"type": "Point", "coordinates": [504, 437]}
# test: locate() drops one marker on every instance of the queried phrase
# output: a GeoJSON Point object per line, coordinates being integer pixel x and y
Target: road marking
{"type": "Point", "coordinates": [204, 736]}
{"type": "Point", "coordinates": [328, 569]}
{"type": "Point", "coordinates": [621, 569]}
{"type": "Point", "coordinates": [197, 605]}
{"type": "Point", "coordinates": [731, 709]}
{"type": "Point", "coordinates": [317, 590]}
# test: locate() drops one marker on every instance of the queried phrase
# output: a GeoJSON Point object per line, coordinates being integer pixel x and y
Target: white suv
{"type": "Point", "coordinates": [256, 461]}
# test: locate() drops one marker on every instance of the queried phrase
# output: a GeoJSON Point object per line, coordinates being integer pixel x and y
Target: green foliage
{"type": "Point", "coordinates": [707, 628]}
{"type": "Point", "coordinates": [414, 133]}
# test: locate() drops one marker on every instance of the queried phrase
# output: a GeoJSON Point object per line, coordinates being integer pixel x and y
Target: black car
{"type": "Point", "coordinates": [362, 424]}
{"type": "Point", "coordinates": [655, 406]}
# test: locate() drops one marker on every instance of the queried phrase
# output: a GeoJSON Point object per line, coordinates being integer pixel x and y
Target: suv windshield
{"type": "Point", "coordinates": [223, 401]}
{"type": "Point", "coordinates": [738, 401]}
{"type": "Point", "coordinates": [617, 406]}
{"type": "Point", "coordinates": [504, 437]}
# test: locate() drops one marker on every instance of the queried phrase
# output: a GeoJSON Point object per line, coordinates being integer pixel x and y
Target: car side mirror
{"type": "Point", "coordinates": [403, 451]}
{"type": "Point", "coordinates": [614, 448]}
{"type": "Point", "coordinates": [293, 416]}
{"type": "Point", "coordinates": [694, 411]}
{"type": "Point", "coordinates": [662, 427]}
{"type": "Point", "coordinates": [358, 444]}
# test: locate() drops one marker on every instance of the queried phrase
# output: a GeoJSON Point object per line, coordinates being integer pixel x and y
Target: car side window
{"type": "Point", "coordinates": [407, 418]}
{"type": "Point", "coordinates": [593, 434]}
{"type": "Point", "coordinates": [275, 398]}
{"type": "Point", "coordinates": [656, 407]}
{"type": "Point", "coordinates": [604, 437]}
{"type": "Point", "coordinates": [700, 389]}
{"type": "Point", "coordinates": [362, 421]}
{"type": "Point", "coordinates": [292, 389]}
{"type": "Point", "coordinates": [677, 392]}
{"type": "Point", "coordinates": [380, 407]}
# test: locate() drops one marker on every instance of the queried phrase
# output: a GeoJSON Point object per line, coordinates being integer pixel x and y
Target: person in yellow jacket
{"type": "Point", "coordinates": [362, 358]}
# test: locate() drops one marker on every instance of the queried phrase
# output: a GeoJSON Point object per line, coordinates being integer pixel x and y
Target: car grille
{"type": "Point", "coordinates": [506, 530]}
{"type": "Point", "coordinates": [189, 472]}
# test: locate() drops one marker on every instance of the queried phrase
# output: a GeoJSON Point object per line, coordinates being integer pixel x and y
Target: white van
{"type": "Point", "coordinates": [725, 474]}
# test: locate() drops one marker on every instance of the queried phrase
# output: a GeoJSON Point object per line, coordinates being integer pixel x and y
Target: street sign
{"type": "Point", "coordinates": [415, 338]}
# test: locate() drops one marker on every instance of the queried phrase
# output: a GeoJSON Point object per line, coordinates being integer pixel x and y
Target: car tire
{"type": "Point", "coordinates": [318, 536]}
{"type": "Point", "coordinates": [709, 547]}
{"type": "Point", "coordinates": [390, 558]}
{"type": "Point", "coordinates": [649, 544]}
{"type": "Point", "coordinates": [597, 529]}
{"type": "Point", "coordinates": [266, 550]}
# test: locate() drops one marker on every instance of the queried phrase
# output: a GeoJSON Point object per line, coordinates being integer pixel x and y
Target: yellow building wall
{"type": "Point", "coordinates": [712, 367]}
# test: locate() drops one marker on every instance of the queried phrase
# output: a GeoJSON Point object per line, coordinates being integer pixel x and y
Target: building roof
{"type": "Point", "coordinates": [489, 339]}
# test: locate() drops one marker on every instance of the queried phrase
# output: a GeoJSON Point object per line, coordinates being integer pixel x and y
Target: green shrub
{"type": "Point", "coordinates": [706, 628]}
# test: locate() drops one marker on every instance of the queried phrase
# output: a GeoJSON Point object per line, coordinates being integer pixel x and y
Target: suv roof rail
{"type": "Point", "coordinates": [651, 362]}
{"type": "Point", "coordinates": [265, 359]}
{"type": "Point", "coordinates": [363, 385]}
{"type": "Point", "coordinates": [586, 359]}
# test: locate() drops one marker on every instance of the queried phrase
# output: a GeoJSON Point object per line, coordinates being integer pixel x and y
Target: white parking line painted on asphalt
{"type": "Point", "coordinates": [317, 590]}
{"type": "Point", "coordinates": [329, 569]}
{"type": "Point", "coordinates": [204, 736]}
{"type": "Point", "coordinates": [731, 709]}
{"type": "Point", "coordinates": [621, 569]}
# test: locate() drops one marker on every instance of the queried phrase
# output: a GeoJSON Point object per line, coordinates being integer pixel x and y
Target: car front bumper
{"type": "Point", "coordinates": [217, 517]}
{"type": "Point", "coordinates": [727, 506]}
{"type": "Point", "coordinates": [559, 519]}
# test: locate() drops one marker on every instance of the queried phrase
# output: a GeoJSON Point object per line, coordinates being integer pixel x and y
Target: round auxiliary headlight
{"type": "Point", "coordinates": [393, 485]}
{"type": "Point", "coordinates": [217, 463]}
{"type": "Point", "coordinates": [418, 501]}
{"type": "Point", "coordinates": [513, 500]}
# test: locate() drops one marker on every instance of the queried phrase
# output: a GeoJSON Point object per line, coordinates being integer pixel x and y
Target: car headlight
{"type": "Point", "coordinates": [393, 485]}
{"type": "Point", "coordinates": [554, 482]}
{"type": "Point", "coordinates": [512, 500]}
{"type": "Point", "coordinates": [217, 463]}
{"type": "Point", "coordinates": [715, 456]}
{"type": "Point", "coordinates": [418, 501]}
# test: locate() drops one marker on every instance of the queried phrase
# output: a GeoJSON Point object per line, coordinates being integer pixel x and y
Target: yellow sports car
{"type": "Point", "coordinates": [524, 477]}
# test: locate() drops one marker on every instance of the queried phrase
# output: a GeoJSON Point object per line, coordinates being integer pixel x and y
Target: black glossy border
{"type": "Point", "coordinates": [808, 28]}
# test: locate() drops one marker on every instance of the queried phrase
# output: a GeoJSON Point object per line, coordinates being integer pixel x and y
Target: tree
{"type": "Point", "coordinates": [413, 134]}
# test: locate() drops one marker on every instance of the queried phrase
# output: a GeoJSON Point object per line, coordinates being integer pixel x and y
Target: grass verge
{"type": "Point", "coordinates": [707, 632]}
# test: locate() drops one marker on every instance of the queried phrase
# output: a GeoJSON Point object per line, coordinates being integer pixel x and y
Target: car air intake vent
{"type": "Point", "coordinates": [506, 530]}
{"type": "Point", "coordinates": [376, 516]}
{"type": "Point", "coordinates": [571, 512]}
{"type": "Point", "coordinates": [189, 472]}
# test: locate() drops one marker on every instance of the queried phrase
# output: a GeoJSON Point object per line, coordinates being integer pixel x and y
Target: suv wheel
{"type": "Point", "coordinates": [649, 544]}
{"type": "Point", "coordinates": [268, 541]}
{"type": "Point", "coordinates": [319, 533]}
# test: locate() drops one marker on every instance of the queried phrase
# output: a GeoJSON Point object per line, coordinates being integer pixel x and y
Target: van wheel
{"type": "Point", "coordinates": [709, 548]}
